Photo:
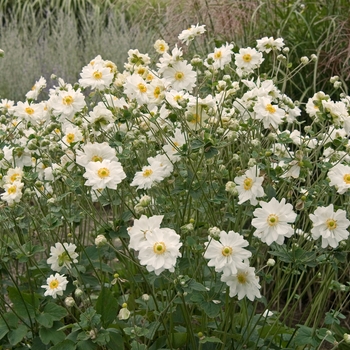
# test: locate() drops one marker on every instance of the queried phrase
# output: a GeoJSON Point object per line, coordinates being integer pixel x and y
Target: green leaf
{"type": "Point", "coordinates": [116, 341]}
{"type": "Point", "coordinates": [192, 284]}
{"type": "Point", "coordinates": [137, 346]}
{"type": "Point", "coordinates": [3, 329]}
{"type": "Point", "coordinates": [179, 340]}
{"type": "Point", "coordinates": [86, 345]}
{"type": "Point", "coordinates": [45, 320]}
{"type": "Point", "coordinates": [64, 345]}
{"type": "Point", "coordinates": [17, 335]}
{"type": "Point", "coordinates": [210, 340]}
{"type": "Point", "coordinates": [211, 309]}
{"type": "Point", "coordinates": [107, 306]}
{"type": "Point", "coordinates": [55, 311]}
{"type": "Point", "coordinates": [52, 334]}
{"type": "Point", "coordinates": [305, 336]}
{"type": "Point", "coordinates": [324, 333]}
{"type": "Point", "coordinates": [25, 304]}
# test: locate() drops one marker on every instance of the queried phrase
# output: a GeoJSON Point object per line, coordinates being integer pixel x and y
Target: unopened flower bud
{"type": "Point", "coordinates": [304, 60]}
{"type": "Point", "coordinates": [100, 240]}
{"type": "Point", "coordinates": [78, 292]}
{"type": "Point", "coordinates": [346, 338]}
{"type": "Point", "coordinates": [271, 262]}
{"type": "Point", "coordinates": [69, 301]}
{"type": "Point", "coordinates": [145, 297]}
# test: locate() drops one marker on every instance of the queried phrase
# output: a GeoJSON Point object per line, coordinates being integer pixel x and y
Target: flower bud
{"type": "Point", "coordinates": [100, 240]}
{"type": "Point", "coordinates": [69, 301]}
{"type": "Point", "coordinates": [304, 60]}
{"type": "Point", "coordinates": [145, 297]}
{"type": "Point", "coordinates": [271, 262]}
{"type": "Point", "coordinates": [346, 338]}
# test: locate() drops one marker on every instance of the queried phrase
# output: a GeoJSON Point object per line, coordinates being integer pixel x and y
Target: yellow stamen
{"type": "Point", "coordinates": [142, 88]}
{"type": "Point", "coordinates": [54, 284]}
{"type": "Point", "coordinates": [97, 75]}
{"type": "Point", "coordinates": [248, 183]}
{"type": "Point", "coordinates": [70, 138]}
{"type": "Point", "coordinates": [103, 172]}
{"type": "Point", "coordinates": [270, 108]}
{"type": "Point", "coordinates": [247, 57]}
{"type": "Point", "coordinates": [331, 224]}
{"type": "Point", "coordinates": [12, 189]}
{"type": "Point", "coordinates": [147, 173]}
{"type": "Point", "coordinates": [217, 55]}
{"type": "Point", "coordinates": [346, 178]}
{"type": "Point", "coordinates": [159, 248]}
{"type": "Point", "coordinates": [97, 159]}
{"type": "Point", "coordinates": [226, 251]}
{"type": "Point", "coordinates": [67, 100]}
{"type": "Point", "coordinates": [272, 220]}
{"type": "Point", "coordinates": [179, 75]}
{"type": "Point", "coordinates": [29, 110]}
{"type": "Point", "coordinates": [242, 277]}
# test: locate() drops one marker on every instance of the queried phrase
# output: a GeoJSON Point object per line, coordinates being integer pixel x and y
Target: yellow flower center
{"type": "Point", "coordinates": [247, 57]}
{"type": "Point", "coordinates": [242, 277]}
{"type": "Point", "coordinates": [97, 159]}
{"type": "Point", "coordinates": [331, 224]}
{"type": "Point", "coordinates": [54, 284]}
{"type": "Point", "coordinates": [346, 178]}
{"type": "Point", "coordinates": [97, 75]}
{"type": "Point", "coordinates": [179, 75]}
{"type": "Point", "coordinates": [156, 92]}
{"type": "Point", "coordinates": [14, 177]}
{"type": "Point", "coordinates": [272, 220]}
{"type": "Point", "coordinates": [270, 108]}
{"type": "Point", "coordinates": [67, 100]}
{"type": "Point", "coordinates": [103, 172]}
{"type": "Point", "coordinates": [177, 98]}
{"type": "Point", "coordinates": [161, 47]}
{"type": "Point", "coordinates": [159, 248]}
{"type": "Point", "coordinates": [194, 118]}
{"type": "Point", "coordinates": [70, 138]}
{"type": "Point", "coordinates": [141, 70]}
{"type": "Point", "coordinates": [111, 67]}
{"type": "Point", "coordinates": [142, 88]}
{"type": "Point", "coordinates": [248, 183]}
{"type": "Point", "coordinates": [29, 110]}
{"type": "Point", "coordinates": [12, 189]}
{"type": "Point", "coordinates": [217, 55]}
{"type": "Point", "coordinates": [147, 173]}
{"type": "Point", "coordinates": [226, 251]}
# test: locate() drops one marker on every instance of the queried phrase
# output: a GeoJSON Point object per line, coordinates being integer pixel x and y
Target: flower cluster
{"type": "Point", "coordinates": [189, 143]}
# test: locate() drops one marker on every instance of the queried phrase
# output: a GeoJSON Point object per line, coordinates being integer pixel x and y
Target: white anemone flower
{"type": "Point", "coordinates": [340, 177]}
{"type": "Point", "coordinates": [13, 192]}
{"type": "Point", "coordinates": [272, 221]}
{"type": "Point", "coordinates": [268, 113]}
{"type": "Point", "coordinates": [331, 226]}
{"type": "Point", "coordinates": [243, 283]}
{"type": "Point", "coordinates": [95, 152]}
{"type": "Point", "coordinates": [187, 35]}
{"type": "Point", "coordinates": [250, 186]}
{"type": "Point", "coordinates": [266, 44]}
{"type": "Point", "coordinates": [104, 174]}
{"type": "Point", "coordinates": [180, 76]}
{"type": "Point", "coordinates": [160, 250]}
{"type": "Point", "coordinates": [62, 255]}
{"type": "Point", "coordinates": [248, 59]}
{"type": "Point", "coordinates": [142, 228]}
{"type": "Point", "coordinates": [56, 285]}
{"type": "Point", "coordinates": [227, 253]}
{"type": "Point", "coordinates": [149, 175]}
